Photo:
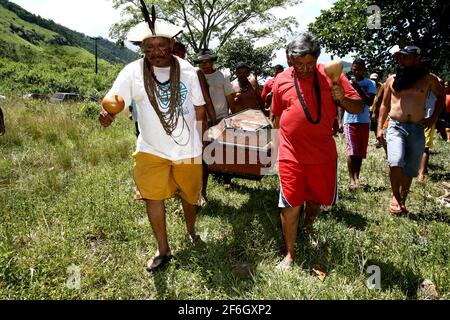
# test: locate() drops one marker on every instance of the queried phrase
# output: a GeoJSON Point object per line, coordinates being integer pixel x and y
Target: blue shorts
{"type": "Point", "coordinates": [405, 146]}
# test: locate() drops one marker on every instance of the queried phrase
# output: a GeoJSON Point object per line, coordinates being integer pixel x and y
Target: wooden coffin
{"type": "Point", "coordinates": [240, 145]}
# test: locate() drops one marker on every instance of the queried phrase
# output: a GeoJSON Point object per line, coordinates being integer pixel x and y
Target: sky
{"type": "Point", "coordinates": [95, 17]}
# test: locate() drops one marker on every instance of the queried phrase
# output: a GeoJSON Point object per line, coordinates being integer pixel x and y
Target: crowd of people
{"type": "Point", "coordinates": [170, 96]}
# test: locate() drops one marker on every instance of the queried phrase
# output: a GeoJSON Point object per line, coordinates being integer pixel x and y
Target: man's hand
{"type": "Point", "coordinates": [428, 123]}
{"type": "Point", "coordinates": [105, 118]}
{"type": "Point", "coordinates": [374, 117]}
{"type": "Point", "coordinates": [380, 135]}
{"type": "Point", "coordinates": [337, 92]}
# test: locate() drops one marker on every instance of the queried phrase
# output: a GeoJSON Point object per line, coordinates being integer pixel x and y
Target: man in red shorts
{"type": "Point", "coordinates": [304, 108]}
{"type": "Point", "coordinates": [356, 126]}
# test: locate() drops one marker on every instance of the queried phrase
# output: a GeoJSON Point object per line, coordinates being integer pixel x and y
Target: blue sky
{"type": "Point", "coordinates": [94, 17]}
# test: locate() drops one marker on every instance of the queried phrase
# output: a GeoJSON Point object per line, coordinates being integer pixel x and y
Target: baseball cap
{"type": "Point", "coordinates": [410, 50]}
{"type": "Point", "coordinates": [374, 76]}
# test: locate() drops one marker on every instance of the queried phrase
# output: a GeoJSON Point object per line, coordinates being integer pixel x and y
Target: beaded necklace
{"type": "Point", "coordinates": [157, 91]}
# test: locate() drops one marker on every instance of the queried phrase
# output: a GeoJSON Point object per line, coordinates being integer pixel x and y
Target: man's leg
{"type": "Point", "coordinates": [312, 210]}
{"type": "Point", "coordinates": [157, 217]}
{"type": "Point", "coordinates": [424, 165]}
{"type": "Point", "coordinates": [190, 215]}
{"type": "Point", "coordinates": [351, 172]}
{"type": "Point", "coordinates": [204, 180]}
{"type": "Point", "coordinates": [289, 223]}
{"type": "Point", "coordinates": [404, 189]}
{"type": "Point", "coordinates": [397, 177]}
{"type": "Point", "coordinates": [357, 163]}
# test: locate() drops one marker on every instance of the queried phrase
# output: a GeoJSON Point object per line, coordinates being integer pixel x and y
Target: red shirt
{"type": "Point", "coordinates": [267, 89]}
{"type": "Point", "coordinates": [447, 103]}
{"type": "Point", "coordinates": [300, 140]}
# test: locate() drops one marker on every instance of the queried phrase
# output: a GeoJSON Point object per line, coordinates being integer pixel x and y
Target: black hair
{"type": "Point", "coordinates": [240, 65]}
{"type": "Point", "coordinates": [179, 44]}
{"type": "Point", "coordinates": [360, 62]}
{"type": "Point", "coordinates": [279, 67]}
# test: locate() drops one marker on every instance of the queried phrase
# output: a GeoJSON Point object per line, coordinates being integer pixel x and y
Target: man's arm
{"type": "Point", "coordinates": [377, 103]}
{"type": "Point", "coordinates": [439, 92]}
{"type": "Point", "coordinates": [205, 91]}
{"type": "Point", "coordinates": [366, 98]}
{"type": "Point", "coordinates": [200, 114]}
{"type": "Point", "coordinates": [352, 105]}
{"type": "Point", "coordinates": [255, 84]}
{"type": "Point", "coordinates": [385, 108]}
{"type": "Point", "coordinates": [276, 122]}
{"type": "Point", "coordinates": [231, 102]}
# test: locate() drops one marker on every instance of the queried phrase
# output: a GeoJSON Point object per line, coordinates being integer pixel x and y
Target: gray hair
{"type": "Point", "coordinates": [305, 43]}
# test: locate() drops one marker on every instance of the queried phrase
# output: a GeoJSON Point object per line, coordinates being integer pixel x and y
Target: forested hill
{"type": "Point", "coordinates": [24, 35]}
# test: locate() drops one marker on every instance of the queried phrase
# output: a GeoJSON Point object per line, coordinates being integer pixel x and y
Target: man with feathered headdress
{"type": "Point", "coordinates": [169, 103]}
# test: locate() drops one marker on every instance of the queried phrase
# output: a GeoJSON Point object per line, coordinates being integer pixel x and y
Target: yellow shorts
{"type": "Point", "coordinates": [429, 136]}
{"type": "Point", "coordinates": [157, 178]}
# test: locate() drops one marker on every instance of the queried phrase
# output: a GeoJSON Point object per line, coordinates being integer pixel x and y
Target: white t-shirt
{"type": "Point", "coordinates": [153, 138]}
{"type": "Point", "coordinates": [219, 88]}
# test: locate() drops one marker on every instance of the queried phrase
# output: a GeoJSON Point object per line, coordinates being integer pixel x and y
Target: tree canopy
{"type": "Point", "coordinates": [241, 49]}
{"type": "Point", "coordinates": [212, 21]}
{"type": "Point", "coordinates": [370, 28]}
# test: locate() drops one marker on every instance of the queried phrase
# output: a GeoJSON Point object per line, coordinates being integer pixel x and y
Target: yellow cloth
{"type": "Point", "coordinates": [157, 178]}
{"type": "Point", "coordinates": [429, 136]}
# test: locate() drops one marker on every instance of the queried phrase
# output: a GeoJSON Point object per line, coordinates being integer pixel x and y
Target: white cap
{"type": "Point", "coordinates": [395, 49]}
{"type": "Point", "coordinates": [374, 76]}
{"type": "Point", "coordinates": [142, 31]}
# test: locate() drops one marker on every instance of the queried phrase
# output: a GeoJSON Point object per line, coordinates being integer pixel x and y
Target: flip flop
{"type": "Point", "coordinates": [285, 265]}
{"type": "Point", "coordinates": [395, 209]}
{"type": "Point", "coordinates": [158, 262]}
{"type": "Point", "coordinates": [195, 240]}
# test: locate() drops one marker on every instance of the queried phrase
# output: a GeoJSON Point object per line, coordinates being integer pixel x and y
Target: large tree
{"type": "Point", "coordinates": [241, 49]}
{"type": "Point", "coordinates": [357, 26]}
{"type": "Point", "coordinates": [212, 21]}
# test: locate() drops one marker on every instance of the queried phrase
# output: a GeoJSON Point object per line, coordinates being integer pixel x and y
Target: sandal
{"type": "Point", "coordinates": [158, 262]}
{"type": "Point", "coordinates": [285, 265]}
{"type": "Point", "coordinates": [395, 209]}
{"type": "Point", "coordinates": [195, 240]}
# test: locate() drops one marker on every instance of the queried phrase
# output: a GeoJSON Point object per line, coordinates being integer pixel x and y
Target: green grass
{"type": "Point", "coordinates": [66, 200]}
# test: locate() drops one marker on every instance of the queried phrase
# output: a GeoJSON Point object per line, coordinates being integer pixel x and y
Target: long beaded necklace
{"type": "Point", "coordinates": [157, 91]}
{"type": "Point", "coordinates": [318, 99]}
{"type": "Point", "coordinates": [244, 88]}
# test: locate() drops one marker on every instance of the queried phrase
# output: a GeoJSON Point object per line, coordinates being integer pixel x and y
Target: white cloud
{"type": "Point", "coordinates": [95, 17]}
{"type": "Point", "coordinates": [91, 17]}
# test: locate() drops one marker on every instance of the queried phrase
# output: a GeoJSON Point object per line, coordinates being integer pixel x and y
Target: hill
{"type": "Point", "coordinates": [24, 35]}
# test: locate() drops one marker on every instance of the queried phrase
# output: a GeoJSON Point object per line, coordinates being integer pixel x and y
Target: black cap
{"type": "Point", "coordinates": [205, 54]}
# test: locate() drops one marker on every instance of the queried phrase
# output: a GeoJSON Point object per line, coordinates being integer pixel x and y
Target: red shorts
{"type": "Point", "coordinates": [356, 138]}
{"type": "Point", "coordinates": [300, 183]}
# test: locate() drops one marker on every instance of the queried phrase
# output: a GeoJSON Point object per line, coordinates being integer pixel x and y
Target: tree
{"type": "Point", "coordinates": [241, 49]}
{"type": "Point", "coordinates": [212, 20]}
{"type": "Point", "coordinates": [349, 27]}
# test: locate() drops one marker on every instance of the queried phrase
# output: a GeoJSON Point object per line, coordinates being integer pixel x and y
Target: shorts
{"type": "Point", "coordinates": [313, 183]}
{"type": "Point", "coordinates": [429, 136]}
{"type": "Point", "coordinates": [159, 179]}
{"type": "Point", "coordinates": [447, 120]}
{"type": "Point", "coordinates": [405, 146]}
{"type": "Point", "coordinates": [357, 138]}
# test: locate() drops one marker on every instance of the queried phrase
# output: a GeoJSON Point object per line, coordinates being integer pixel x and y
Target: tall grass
{"type": "Point", "coordinates": [66, 202]}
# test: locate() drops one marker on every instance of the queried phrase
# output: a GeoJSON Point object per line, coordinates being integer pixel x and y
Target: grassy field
{"type": "Point", "coordinates": [66, 210]}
